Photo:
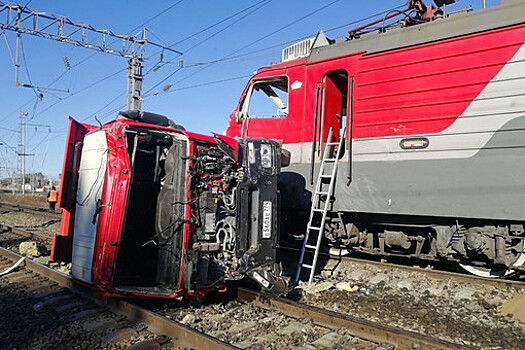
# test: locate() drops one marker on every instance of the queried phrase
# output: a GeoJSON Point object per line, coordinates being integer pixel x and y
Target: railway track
{"type": "Point", "coordinates": [12, 207]}
{"type": "Point", "coordinates": [500, 283]}
{"type": "Point", "coordinates": [73, 314]}
{"type": "Point", "coordinates": [34, 235]}
{"type": "Point", "coordinates": [322, 323]}
{"type": "Point", "coordinates": [460, 277]}
{"type": "Point", "coordinates": [365, 329]}
{"type": "Point", "coordinates": [435, 273]}
{"type": "Point", "coordinates": [45, 288]}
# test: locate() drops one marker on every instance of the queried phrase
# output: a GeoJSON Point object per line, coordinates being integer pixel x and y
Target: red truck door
{"type": "Point", "coordinates": [62, 243]}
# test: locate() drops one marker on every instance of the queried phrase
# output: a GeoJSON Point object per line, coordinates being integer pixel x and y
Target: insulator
{"type": "Point", "coordinates": [66, 62]}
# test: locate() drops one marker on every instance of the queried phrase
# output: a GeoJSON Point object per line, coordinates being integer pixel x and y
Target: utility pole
{"type": "Point", "coordinates": [24, 20]}
{"type": "Point", "coordinates": [22, 148]}
{"type": "Point", "coordinates": [135, 78]}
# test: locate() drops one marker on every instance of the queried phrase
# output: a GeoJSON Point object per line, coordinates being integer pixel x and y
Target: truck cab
{"type": "Point", "coordinates": [152, 210]}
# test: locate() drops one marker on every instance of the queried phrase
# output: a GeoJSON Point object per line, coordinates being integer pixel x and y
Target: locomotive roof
{"type": "Point", "coordinates": [507, 13]}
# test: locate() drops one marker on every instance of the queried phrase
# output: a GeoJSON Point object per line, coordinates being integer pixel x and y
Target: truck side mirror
{"type": "Point", "coordinates": [285, 158]}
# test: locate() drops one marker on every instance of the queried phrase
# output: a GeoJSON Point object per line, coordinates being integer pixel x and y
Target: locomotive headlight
{"type": "Point", "coordinates": [266, 155]}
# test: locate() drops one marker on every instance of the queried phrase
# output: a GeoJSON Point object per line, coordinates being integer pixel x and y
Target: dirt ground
{"type": "Point", "coordinates": [34, 199]}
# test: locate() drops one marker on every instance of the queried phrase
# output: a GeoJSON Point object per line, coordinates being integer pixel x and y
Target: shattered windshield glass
{"type": "Point", "coordinates": [269, 99]}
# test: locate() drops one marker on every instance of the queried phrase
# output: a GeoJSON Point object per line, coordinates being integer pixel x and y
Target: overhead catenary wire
{"type": "Point", "coordinates": [217, 61]}
{"type": "Point", "coordinates": [39, 96]}
{"type": "Point", "coordinates": [232, 58]}
{"type": "Point", "coordinates": [95, 53]}
{"type": "Point", "coordinates": [253, 8]}
{"type": "Point", "coordinates": [289, 42]}
{"type": "Point", "coordinates": [27, 69]}
{"type": "Point", "coordinates": [209, 83]}
{"type": "Point", "coordinates": [258, 40]}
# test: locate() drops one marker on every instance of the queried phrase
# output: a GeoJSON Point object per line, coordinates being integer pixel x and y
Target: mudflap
{"type": "Point", "coordinates": [269, 277]}
{"type": "Point", "coordinates": [61, 250]}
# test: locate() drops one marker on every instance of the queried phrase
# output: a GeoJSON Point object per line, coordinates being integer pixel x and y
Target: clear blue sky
{"type": "Point", "coordinates": [195, 99]}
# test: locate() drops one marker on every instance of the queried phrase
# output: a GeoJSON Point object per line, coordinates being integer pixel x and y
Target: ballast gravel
{"type": "Point", "coordinates": [451, 310]}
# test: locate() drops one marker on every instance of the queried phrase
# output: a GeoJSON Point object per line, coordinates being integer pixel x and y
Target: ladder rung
{"type": "Point", "coordinates": [307, 266]}
{"type": "Point", "coordinates": [321, 193]}
{"type": "Point", "coordinates": [330, 160]}
{"type": "Point", "coordinates": [332, 144]}
{"type": "Point", "coordinates": [310, 246]}
{"type": "Point", "coordinates": [326, 176]}
{"type": "Point", "coordinates": [313, 227]}
{"type": "Point", "coordinates": [318, 210]}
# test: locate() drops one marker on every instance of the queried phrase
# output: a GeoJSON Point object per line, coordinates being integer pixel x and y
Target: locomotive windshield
{"type": "Point", "coordinates": [267, 99]}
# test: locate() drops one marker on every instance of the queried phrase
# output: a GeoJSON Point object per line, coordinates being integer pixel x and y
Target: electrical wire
{"type": "Point", "coordinates": [280, 45]}
{"type": "Point", "coordinates": [104, 107]}
{"type": "Point", "coordinates": [81, 90]}
{"type": "Point", "coordinates": [207, 83]}
{"type": "Point", "coordinates": [217, 23]}
{"type": "Point", "coordinates": [27, 69]}
{"type": "Point", "coordinates": [95, 53]}
{"type": "Point", "coordinates": [262, 4]}
{"type": "Point", "coordinates": [256, 41]}
{"type": "Point", "coordinates": [17, 109]}
{"type": "Point", "coordinates": [253, 9]}
{"type": "Point", "coordinates": [164, 11]}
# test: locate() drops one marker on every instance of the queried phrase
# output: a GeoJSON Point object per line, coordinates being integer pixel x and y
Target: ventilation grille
{"type": "Point", "coordinates": [298, 50]}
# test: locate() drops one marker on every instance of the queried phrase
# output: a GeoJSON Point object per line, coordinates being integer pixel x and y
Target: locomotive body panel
{"type": "Point", "coordinates": [433, 113]}
{"type": "Point", "coordinates": [433, 109]}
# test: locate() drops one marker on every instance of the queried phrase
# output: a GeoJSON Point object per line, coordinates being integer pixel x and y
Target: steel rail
{"type": "Point", "coordinates": [30, 208]}
{"type": "Point", "coordinates": [440, 274]}
{"type": "Point", "coordinates": [361, 328]}
{"type": "Point", "coordinates": [495, 282]}
{"type": "Point", "coordinates": [19, 231]}
{"type": "Point", "coordinates": [180, 334]}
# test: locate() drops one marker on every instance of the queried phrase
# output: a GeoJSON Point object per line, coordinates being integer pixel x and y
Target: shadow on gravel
{"type": "Point", "coordinates": [23, 327]}
{"type": "Point", "coordinates": [11, 242]}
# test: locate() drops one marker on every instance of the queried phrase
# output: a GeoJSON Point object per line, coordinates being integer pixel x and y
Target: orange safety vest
{"type": "Point", "coordinates": [53, 196]}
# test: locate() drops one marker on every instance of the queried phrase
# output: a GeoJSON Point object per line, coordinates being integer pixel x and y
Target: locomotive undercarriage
{"type": "Point", "coordinates": [493, 249]}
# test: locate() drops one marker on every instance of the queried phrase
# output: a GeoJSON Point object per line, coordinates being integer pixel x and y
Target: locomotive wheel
{"type": "Point", "coordinates": [496, 272]}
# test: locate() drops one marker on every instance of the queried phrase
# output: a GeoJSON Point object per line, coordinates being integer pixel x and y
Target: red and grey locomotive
{"type": "Point", "coordinates": [434, 112]}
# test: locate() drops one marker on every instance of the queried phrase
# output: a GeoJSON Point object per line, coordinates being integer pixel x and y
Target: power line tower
{"type": "Point", "coordinates": [24, 20]}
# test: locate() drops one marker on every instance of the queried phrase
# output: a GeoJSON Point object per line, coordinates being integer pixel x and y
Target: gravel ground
{"type": "Point", "coordinates": [31, 222]}
{"type": "Point", "coordinates": [26, 324]}
{"type": "Point", "coordinates": [28, 221]}
{"type": "Point", "coordinates": [249, 327]}
{"type": "Point", "coordinates": [455, 311]}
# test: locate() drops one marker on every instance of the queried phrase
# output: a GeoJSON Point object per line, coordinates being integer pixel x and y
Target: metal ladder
{"type": "Point", "coordinates": [318, 208]}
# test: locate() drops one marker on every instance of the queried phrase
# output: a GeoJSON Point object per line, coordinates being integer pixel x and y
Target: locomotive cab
{"type": "Point", "coordinates": [162, 212]}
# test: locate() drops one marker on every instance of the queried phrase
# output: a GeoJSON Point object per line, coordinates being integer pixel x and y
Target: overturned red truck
{"type": "Point", "coordinates": [152, 210]}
